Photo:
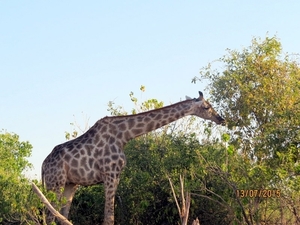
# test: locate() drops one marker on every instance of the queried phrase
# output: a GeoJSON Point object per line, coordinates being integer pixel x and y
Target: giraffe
{"type": "Point", "coordinates": [97, 156]}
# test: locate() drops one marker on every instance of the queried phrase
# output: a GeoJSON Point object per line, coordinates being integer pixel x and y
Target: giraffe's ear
{"type": "Point", "coordinates": [187, 97]}
{"type": "Point", "coordinates": [200, 95]}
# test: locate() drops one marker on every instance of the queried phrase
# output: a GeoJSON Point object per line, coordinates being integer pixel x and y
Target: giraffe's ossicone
{"type": "Point", "coordinates": [97, 156]}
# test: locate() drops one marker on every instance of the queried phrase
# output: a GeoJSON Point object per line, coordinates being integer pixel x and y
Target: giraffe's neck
{"type": "Point", "coordinates": [135, 125]}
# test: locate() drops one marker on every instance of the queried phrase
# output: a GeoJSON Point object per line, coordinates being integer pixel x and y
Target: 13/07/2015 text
{"type": "Point", "coordinates": [253, 193]}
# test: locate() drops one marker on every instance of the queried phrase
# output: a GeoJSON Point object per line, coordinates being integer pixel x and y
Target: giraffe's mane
{"type": "Point", "coordinates": [153, 110]}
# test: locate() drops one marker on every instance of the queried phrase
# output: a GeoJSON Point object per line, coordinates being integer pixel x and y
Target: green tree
{"type": "Point", "coordinates": [258, 91]}
{"type": "Point", "coordinates": [18, 204]}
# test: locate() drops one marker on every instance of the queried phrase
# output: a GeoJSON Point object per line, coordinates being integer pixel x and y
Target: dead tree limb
{"type": "Point", "coordinates": [186, 202]}
{"type": "Point", "coordinates": [60, 217]}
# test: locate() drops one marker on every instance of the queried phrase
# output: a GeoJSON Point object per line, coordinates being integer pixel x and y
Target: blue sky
{"type": "Point", "coordinates": [61, 59]}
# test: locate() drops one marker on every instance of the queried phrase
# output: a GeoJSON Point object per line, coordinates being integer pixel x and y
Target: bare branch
{"type": "Point", "coordinates": [60, 217]}
{"type": "Point", "coordinates": [174, 195]}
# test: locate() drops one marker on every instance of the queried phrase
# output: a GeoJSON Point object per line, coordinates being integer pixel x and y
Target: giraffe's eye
{"type": "Point", "coordinates": [206, 106]}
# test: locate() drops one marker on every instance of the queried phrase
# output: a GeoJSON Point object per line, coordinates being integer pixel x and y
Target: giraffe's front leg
{"type": "Point", "coordinates": [110, 185]}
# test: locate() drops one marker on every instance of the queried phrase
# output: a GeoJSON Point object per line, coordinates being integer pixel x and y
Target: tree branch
{"type": "Point", "coordinates": [60, 217]}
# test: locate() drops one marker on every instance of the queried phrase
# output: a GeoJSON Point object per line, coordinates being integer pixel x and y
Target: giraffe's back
{"type": "Point", "coordinates": [67, 163]}
{"type": "Point", "coordinates": [87, 159]}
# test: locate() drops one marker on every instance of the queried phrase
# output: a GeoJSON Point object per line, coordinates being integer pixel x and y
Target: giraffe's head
{"type": "Point", "coordinates": [203, 109]}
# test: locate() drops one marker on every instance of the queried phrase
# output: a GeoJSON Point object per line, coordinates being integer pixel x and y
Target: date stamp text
{"type": "Point", "coordinates": [261, 193]}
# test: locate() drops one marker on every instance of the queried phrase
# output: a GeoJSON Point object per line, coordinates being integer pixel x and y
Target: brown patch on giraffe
{"type": "Point", "coordinates": [113, 167]}
{"type": "Point", "coordinates": [173, 111]}
{"type": "Point", "coordinates": [114, 149]}
{"type": "Point", "coordinates": [120, 144]}
{"type": "Point", "coordinates": [118, 121]}
{"type": "Point", "coordinates": [83, 161]}
{"type": "Point", "coordinates": [147, 119]}
{"type": "Point", "coordinates": [55, 152]}
{"type": "Point", "coordinates": [86, 167]}
{"type": "Point", "coordinates": [122, 127]}
{"type": "Point", "coordinates": [90, 175]}
{"type": "Point", "coordinates": [75, 172]}
{"type": "Point", "coordinates": [114, 157]}
{"type": "Point", "coordinates": [111, 140]}
{"type": "Point", "coordinates": [112, 129]}
{"type": "Point", "coordinates": [97, 154]}
{"type": "Point", "coordinates": [127, 135]}
{"type": "Point", "coordinates": [137, 131]}
{"type": "Point", "coordinates": [96, 166]}
{"type": "Point", "coordinates": [60, 164]}
{"type": "Point", "coordinates": [107, 160]}
{"type": "Point", "coordinates": [157, 125]}
{"type": "Point", "coordinates": [120, 135]}
{"type": "Point", "coordinates": [91, 162]}
{"type": "Point", "coordinates": [139, 125]}
{"type": "Point", "coordinates": [93, 130]}
{"type": "Point", "coordinates": [166, 117]}
{"type": "Point", "coordinates": [107, 168]}
{"type": "Point", "coordinates": [103, 129]}
{"type": "Point", "coordinates": [150, 126]}
{"type": "Point", "coordinates": [88, 150]}
{"type": "Point", "coordinates": [131, 123]}
{"type": "Point", "coordinates": [69, 144]}
{"type": "Point", "coordinates": [106, 137]}
{"type": "Point", "coordinates": [97, 138]}
{"type": "Point", "coordinates": [67, 157]}
{"type": "Point", "coordinates": [61, 177]}
{"type": "Point", "coordinates": [89, 141]}
{"type": "Point", "coordinates": [101, 144]}
{"type": "Point", "coordinates": [73, 151]}
{"type": "Point", "coordinates": [164, 122]}
{"type": "Point", "coordinates": [158, 117]}
{"type": "Point", "coordinates": [74, 163]}
{"type": "Point", "coordinates": [106, 150]}
{"type": "Point", "coordinates": [119, 169]}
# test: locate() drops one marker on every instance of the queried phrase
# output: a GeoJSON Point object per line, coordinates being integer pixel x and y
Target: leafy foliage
{"type": "Point", "coordinates": [259, 91]}
{"type": "Point", "coordinates": [18, 204]}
